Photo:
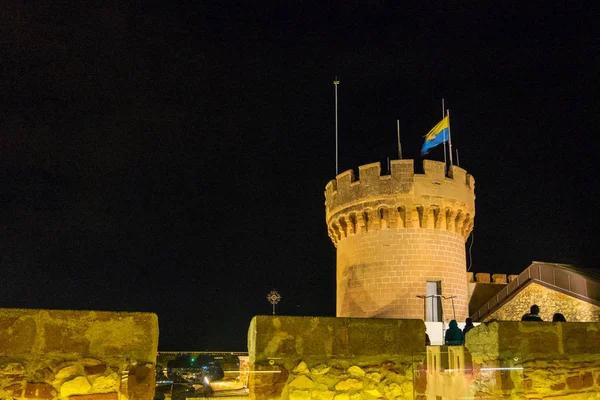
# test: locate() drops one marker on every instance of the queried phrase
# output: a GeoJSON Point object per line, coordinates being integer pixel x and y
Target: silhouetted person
{"type": "Point", "coordinates": [558, 317]}
{"type": "Point", "coordinates": [533, 314]}
{"type": "Point", "coordinates": [468, 326]}
{"type": "Point", "coordinates": [454, 336]}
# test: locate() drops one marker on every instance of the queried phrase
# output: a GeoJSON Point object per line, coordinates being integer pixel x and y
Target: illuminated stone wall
{"type": "Point", "coordinates": [536, 360]}
{"type": "Point", "coordinates": [77, 355]}
{"type": "Point", "coordinates": [294, 358]}
{"type": "Point", "coordinates": [394, 233]}
{"type": "Point", "coordinates": [550, 302]}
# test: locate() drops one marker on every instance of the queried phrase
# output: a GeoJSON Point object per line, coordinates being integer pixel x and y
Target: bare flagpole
{"type": "Point", "coordinates": [336, 83]}
{"type": "Point", "coordinates": [399, 145]}
{"type": "Point", "coordinates": [449, 137]}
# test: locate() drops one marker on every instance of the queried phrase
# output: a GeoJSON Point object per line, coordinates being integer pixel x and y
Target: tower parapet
{"type": "Point", "coordinates": [394, 233]}
{"type": "Point", "coordinates": [402, 199]}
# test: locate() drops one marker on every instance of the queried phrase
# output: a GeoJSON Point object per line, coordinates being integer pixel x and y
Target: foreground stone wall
{"type": "Point", "coordinates": [293, 358]}
{"type": "Point", "coordinates": [77, 355]}
{"type": "Point", "coordinates": [343, 358]}
{"type": "Point", "coordinates": [550, 302]}
{"type": "Point", "coordinates": [537, 360]}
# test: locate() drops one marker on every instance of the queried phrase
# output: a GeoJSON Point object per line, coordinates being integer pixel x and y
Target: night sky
{"type": "Point", "coordinates": [173, 158]}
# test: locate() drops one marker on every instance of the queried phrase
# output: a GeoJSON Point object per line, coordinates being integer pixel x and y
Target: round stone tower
{"type": "Point", "coordinates": [401, 236]}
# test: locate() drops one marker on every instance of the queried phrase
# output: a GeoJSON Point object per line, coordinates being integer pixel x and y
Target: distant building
{"type": "Point", "coordinates": [569, 290]}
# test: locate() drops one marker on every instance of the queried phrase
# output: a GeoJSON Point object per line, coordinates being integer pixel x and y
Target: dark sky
{"type": "Point", "coordinates": [173, 158]}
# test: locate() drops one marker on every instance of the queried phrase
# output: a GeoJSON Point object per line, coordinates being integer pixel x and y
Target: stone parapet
{"type": "Point", "coordinates": [320, 357]}
{"type": "Point", "coordinates": [402, 199]}
{"type": "Point", "coordinates": [484, 277]}
{"type": "Point", "coordinates": [63, 354]}
{"type": "Point", "coordinates": [327, 358]}
{"type": "Point", "coordinates": [535, 360]}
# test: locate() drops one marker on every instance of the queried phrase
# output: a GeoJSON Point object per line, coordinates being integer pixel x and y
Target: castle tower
{"type": "Point", "coordinates": [400, 236]}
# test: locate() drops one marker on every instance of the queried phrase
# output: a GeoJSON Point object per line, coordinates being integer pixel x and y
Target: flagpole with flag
{"type": "Point", "coordinates": [438, 135]}
{"type": "Point", "coordinates": [443, 115]}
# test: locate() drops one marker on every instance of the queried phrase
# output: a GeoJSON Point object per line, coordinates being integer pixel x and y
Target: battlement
{"type": "Point", "coordinates": [484, 277]}
{"type": "Point", "coordinates": [402, 199]}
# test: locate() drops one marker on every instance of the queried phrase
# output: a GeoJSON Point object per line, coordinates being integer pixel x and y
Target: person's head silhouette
{"type": "Point", "coordinates": [558, 317]}
{"type": "Point", "coordinates": [535, 310]}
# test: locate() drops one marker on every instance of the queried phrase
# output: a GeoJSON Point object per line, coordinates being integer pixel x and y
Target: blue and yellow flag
{"type": "Point", "coordinates": [438, 135]}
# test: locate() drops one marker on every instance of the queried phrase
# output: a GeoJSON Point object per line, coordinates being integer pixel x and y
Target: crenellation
{"type": "Point", "coordinates": [434, 170]}
{"type": "Point", "coordinates": [433, 188]}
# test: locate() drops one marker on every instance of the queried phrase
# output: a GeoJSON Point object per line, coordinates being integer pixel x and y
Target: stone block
{"type": "Point", "coordinates": [575, 382]}
{"type": "Point", "coordinates": [583, 338]}
{"type": "Point", "coordinates": [141, 382]}
{"type": "Point", "coordinates": [499, 278]}
{"type": "Point", "coordinates": [527, 384]}
{"type": "Point", "coordinates": [78, 385]}
{"type": "Point", "coordinates": [95, 369]}
{"type": "Point", "coordinates": [18, 332]}
{"type": "Point", "coordinates": [67, 372]}
{"type": "Point", "coordinates": [108, 383]}
{"type": "Point", "coordinates": [39, 391]}
{"type": "Point", "coordinates": [267, 381]}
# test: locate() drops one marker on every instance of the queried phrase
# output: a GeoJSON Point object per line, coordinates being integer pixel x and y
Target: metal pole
{"type": "Point", "coordinates": [457, 159]}
{"type": "Point", "coordinates": [449, 137]}
{"type": "Point", "coordinates": [399, 145]}
{"type": "Point", "coordinates": [336, 83]}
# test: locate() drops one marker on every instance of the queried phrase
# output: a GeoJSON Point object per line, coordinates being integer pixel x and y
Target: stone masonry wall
{"type": "Point", "coordinates": [550, 302]}
{"type": "Point", "coordinates": [534, 360]}
{"type": "Point", "coordinates": [293, 358]}
{"type": "Point", "coordinates": [77, 355]}
{"type": "Point", "coordinates": [380, 274]}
